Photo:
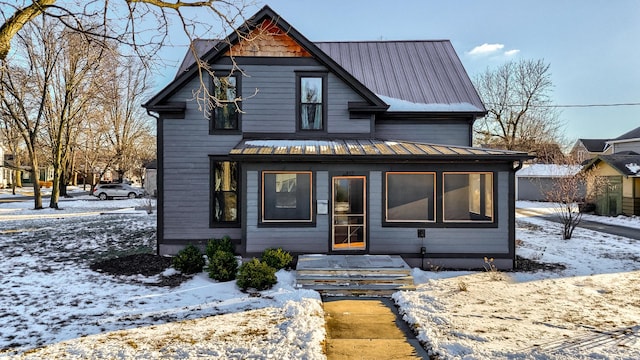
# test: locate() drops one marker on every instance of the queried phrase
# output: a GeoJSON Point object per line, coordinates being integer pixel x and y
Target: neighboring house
{"type": "Point", "coordinates": [534, 182]}
{"type": "Point", "coordinates": [586, 149]}
{"type": "Point", "coordinates": [629, 141]}
{"type": "Point", "coordinates": [622, 193]}
{"type": "Point", "coordinates": [345, 148]}
{"type": "Point", "coordinates": [151, 178]}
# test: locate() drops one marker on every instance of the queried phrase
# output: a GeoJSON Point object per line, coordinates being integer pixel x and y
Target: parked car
{"type": "Point", "coordinates": [110, 191]}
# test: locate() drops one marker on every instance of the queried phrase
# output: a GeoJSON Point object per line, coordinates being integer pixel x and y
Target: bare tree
{"type": "Point", "coordinates": [142, 25]}
{"type": "Point", "coordinates": [518, 99]}
{"type": "Point", "coordinates": [572, 188]}
{"type": "Point", "coordinates": [126, 121]}
{"type": "Point", "coordinates": [71, 94]}
{"type": "Point", "coordinates": [24, 91]}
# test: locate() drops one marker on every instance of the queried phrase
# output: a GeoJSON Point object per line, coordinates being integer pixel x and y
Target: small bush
{"type": "Point", "coordinates": [223, 266]}
{"type": "Point", "coordinates": [277, 258]}
{"type": "Point", "coordinates": [223, 244]}
{"type": "Point", "coordinates": [189, 260]}
{"type": "Point", "coordinates": [257, 275]}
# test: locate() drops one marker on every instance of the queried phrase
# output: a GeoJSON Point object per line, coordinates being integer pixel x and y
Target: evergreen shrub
{"type": "Point", "coordinates": [257, 275]}
{"type": "Point", "coordinates": [223, 266]}
{"type": "Point", "coordinates": [277, 258]}
{"type": "Point", "coordinates": [189, 260]}
{"type": "Point", "coordinates": [223, 244]}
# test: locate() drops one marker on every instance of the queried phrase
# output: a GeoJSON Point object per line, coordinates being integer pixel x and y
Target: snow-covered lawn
{"type": "Point", "coordinates": [590, 310]}
{"type": "Point", "coordinates": [53, 306]}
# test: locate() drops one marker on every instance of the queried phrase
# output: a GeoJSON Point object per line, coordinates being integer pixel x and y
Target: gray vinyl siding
{"type": "Point", "coordinates": [293, 239]}
{"type": "Point", "coordinates": [381, 239]}
{"type": "Point", "coordinates": [186, 175]}
{"type": "Point", "coordinates": [481, 241]}
{"type": "Point", "coordinates": [627, 146]}
{"type": "Point", "coordinates": [273, 108]}
{"type": "Point", "coordinates": [434, 133]}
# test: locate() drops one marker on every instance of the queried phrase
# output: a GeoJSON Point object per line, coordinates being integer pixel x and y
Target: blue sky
{"type": "Point", "coordinates": [593, 46]}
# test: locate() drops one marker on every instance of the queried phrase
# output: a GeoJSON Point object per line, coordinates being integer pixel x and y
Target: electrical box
{"type": "Point", "coordinates": [322, 207]}
{"type": "Point", "coordinates": [422, 233]}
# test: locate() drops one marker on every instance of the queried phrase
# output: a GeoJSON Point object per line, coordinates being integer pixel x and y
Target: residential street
{"type": "Point", "coordinates": [611, 229]}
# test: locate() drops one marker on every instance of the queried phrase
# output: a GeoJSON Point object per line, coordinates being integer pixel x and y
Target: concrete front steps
{"type": "Point", "coordinates": [353, 275]}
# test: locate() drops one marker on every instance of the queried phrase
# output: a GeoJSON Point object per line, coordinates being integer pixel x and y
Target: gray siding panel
{"type": "Point", "coordinates": [627, 146]}
{"type": "Point", "coordinates": [186, 176]}
{"type": "Point", "coordinates": [389, 240]}
{"type": "Point", "coordinates": [301, 239]}
{"type": "Point", "coordinates": [273, 108]}
{"type": "Point", "coordinates": [382, 240]}
{"type": "Point", "coordinates": [435, 133]}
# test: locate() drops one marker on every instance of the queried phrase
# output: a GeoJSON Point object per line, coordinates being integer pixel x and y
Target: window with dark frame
{"type": "Point", "coordinates": [226, 115]}
{"type": "Point", "coordinates": [410, 197]}
{"type": "Point", "coordinates": [286, 197]}
{"type": "Point", "coordinates": [311, 100]}
{"type": "Point", "coordinates": [468, 197]}
{"type": "Point", "coordinates": [225, 193]}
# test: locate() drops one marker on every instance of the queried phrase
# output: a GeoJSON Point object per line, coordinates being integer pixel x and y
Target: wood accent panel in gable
{"type": "Point", "coordinates": [268, 40]}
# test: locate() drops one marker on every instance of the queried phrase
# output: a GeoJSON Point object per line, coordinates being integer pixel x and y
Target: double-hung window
{"type": "Point", "coordinates": [311, 99]}
{"type": "Point", "coordinates": [468, 197]}
{"type": "Point", "coordinates": [225, 202]}
{"type": "Point", "coordinates": [226, 115]}
{"type": "Point", "coordinates": [286, 197]}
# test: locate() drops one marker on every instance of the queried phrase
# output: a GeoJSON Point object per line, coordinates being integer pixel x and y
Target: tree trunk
{"type": "Point", "coordinates": [37, 196]}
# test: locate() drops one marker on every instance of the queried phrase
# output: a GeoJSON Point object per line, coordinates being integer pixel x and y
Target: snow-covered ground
{"type": "Point", "coordinates": [53, 306]}
{"type": "Point", "coordinates": [590, 310]}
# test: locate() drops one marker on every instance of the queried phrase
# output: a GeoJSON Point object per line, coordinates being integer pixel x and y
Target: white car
{"type": "Point", "coordinates": [110, 191]}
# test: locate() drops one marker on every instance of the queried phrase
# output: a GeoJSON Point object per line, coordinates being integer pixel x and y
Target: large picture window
{"type": "Point", "coordinates": [286, 197]}
{"type": "Point", "coordinates": [410, 197]}
{"type": "Point", "coordinates": [226, 115]}
{"type": "Point", "coordinates": [311, 101]}
{"type": "Point", "coordinates": [468, 197]}
{"type": "Point", "coordinates": [225, 193]}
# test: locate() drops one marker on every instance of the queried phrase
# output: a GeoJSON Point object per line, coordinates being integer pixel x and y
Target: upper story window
{"type": "Point", "coordinates": [311, 98]}
{"type": "Point", "coordinates": [226, 116]}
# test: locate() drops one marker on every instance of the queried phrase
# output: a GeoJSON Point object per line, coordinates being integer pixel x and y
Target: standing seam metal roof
{"type": "Point", "coordinates": [363, 147]}
{"type": "Point", "coordinates": [419, 71]}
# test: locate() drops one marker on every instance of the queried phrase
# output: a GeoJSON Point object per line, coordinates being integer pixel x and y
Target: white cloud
{"type": "Point", "coordinates": [511, 52]}
{"type": "Point", "coordinates": [485, 49]}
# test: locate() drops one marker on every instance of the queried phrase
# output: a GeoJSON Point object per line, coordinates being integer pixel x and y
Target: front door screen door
{"type": "Point", "coordinates": [349, 213]}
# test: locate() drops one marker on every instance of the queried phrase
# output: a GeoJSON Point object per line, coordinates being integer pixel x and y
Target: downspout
{"type": "Point", "coordinates": [157, 166]}
{"type": "Point", "coordinates": [519, 166]}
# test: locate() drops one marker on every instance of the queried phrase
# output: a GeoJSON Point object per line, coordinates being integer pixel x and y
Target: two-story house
{"type": "Point", "coordinates": [345, 148]}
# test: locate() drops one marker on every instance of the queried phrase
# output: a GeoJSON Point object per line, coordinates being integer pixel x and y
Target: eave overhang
{"type": "Point", "coordinates": [173, 109]}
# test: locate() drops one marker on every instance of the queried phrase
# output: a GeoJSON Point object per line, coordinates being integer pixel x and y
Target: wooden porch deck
{"type": "Point", "coordinates": [354, 275]}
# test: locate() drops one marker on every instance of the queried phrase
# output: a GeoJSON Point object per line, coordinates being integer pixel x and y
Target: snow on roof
{"type": "Point", "coordinates": [404, 105]}
{"type": "Point", "coordinates": [633, 167]}
{"type": "Point", "coordinates": [548, 170]}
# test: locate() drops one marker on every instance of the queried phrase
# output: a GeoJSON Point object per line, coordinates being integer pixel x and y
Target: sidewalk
{"type": "Point", "coordinates": [368, 329]}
